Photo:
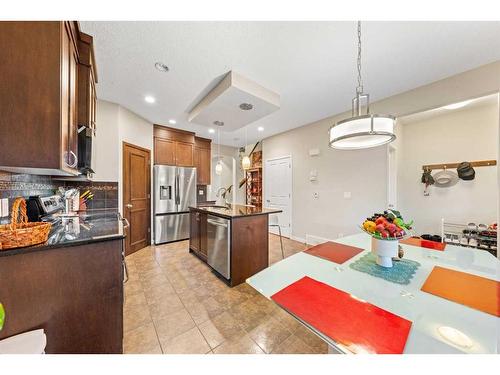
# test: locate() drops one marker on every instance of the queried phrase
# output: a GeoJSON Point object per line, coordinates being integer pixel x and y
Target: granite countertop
{"type": "Point", "coordinates": [89, 227]}
{"type": "Point", "coordinates": [234, 210]}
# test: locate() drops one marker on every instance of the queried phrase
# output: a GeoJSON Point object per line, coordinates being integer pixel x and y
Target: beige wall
{"type": "Point", "coordinates": [470, 133]}
{"type": "Point", "coordinates": [116, 125]}
{"type": "Point", "coordinates": [137, 131]}
{"type": "Point", "coordinates": [105, 144]}
{"type": "Point", "coordinates": [364, 172]}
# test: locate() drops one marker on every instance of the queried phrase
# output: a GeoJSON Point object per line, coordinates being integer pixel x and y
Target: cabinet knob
{"type": "Point", "coordinates": [129, 205]}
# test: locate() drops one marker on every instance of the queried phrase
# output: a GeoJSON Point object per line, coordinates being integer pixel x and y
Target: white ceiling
{"type": "Point", "coordinates": [311, 65]}
{"type": "Point", "coordinates": [488, 100]}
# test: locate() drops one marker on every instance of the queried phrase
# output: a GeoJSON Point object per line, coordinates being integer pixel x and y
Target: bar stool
{"type": "Point", "coordinates": [274, 222]}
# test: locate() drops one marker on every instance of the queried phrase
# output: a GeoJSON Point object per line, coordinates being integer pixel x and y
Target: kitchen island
{"type": "Point", "coordinates": [232, 239]}
{"type": "Point", "coordinates": [437, 324]}
{"type": "Point", "coordinates": [71, 286]}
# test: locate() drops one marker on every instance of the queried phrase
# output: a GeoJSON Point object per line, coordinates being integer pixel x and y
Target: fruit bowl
{"type": "Point", "coordinates": [386, 230]}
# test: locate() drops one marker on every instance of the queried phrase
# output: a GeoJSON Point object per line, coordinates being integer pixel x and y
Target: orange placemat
{"type": "Point", "coordinates": [474, 291]}
{"type": "Point", "coordinates": [424, 243]}
{"type": "Point", "coordinates": [334, 252]}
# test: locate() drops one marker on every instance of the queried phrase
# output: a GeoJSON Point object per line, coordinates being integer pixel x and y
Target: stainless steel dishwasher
{"type": "Point", "coordinates": [219, 245]}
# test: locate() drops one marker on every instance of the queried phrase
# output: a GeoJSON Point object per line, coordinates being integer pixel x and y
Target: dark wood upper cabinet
{"type": "Point", "coordinates": [164, 151]}
{"type": "Point", "coordinates": [202, 160]}
{"type": "Point", "coordinates": [183, 149]}
{"type": "Point", "coordinates": [173, 146]}
{"type": "Point", "coordinates": [39, 91]}
{"type": "Point", "coordinates": [184, 154]}
{"type": "Point", "coordinates": [87, 79]}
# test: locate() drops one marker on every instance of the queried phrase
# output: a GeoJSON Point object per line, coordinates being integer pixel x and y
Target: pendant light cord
{"type": "Point", "coordinates": [359, 89]}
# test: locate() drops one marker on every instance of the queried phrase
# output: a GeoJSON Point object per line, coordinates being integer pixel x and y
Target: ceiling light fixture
{"type": "Point", "coordinates": [245, 162]}
{"type": "Point", "coordinates": [149, 99]}
{"type": "Point", "coordinates": [457, 105]}
{"type": "Point", "coordinates": [211, 131]}
{"type": "Point", "coordinates": [161, 67]}
{"type": "Point", "coordinates": [172, 121]}
{"type": "Point", "coordinates": [260, 128]}
{"type": "Point", "coordinates": [218, 166]}
{"type": "Point", "coordinates": [246, 106]}
{"type": "Point", "coordinates": [362, 130]}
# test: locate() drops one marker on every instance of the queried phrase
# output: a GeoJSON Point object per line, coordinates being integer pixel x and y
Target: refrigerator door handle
{"type": "Point", "coordinates": [177, 198]}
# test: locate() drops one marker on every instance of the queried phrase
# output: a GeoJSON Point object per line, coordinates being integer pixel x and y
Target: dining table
{"type": "Point", "coordinates": [438, 325]}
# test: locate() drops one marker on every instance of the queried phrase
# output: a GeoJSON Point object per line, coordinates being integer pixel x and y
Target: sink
{"type": "Point", "coordinates": [213, 206]}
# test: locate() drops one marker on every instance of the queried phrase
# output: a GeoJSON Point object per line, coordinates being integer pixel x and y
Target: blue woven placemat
{"type": "Point", "coordinates": [401, 272]}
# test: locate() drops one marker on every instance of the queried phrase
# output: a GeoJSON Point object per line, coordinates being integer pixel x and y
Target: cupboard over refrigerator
{"type": "Point", "coordinates": [174, 192]}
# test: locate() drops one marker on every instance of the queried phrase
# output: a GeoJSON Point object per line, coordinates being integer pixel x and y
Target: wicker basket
{"type": "Point", "coordinates": [20, 233]}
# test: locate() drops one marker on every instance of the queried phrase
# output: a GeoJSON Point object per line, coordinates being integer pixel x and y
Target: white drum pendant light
{"type": "Point", "coordinates": [362, 130]}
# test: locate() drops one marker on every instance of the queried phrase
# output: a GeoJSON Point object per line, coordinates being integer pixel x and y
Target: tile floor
{"type": "Point", "coordinates": [175, 304]}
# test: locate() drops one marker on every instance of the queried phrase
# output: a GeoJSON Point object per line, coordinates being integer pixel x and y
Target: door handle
{"type": "Point", "coordinates": [129, 205]}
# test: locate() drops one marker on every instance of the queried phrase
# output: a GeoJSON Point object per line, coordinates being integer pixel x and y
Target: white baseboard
{"type": "Point", "coordinates": [315, 240]}
{"type": "Point", "coordinates": [298, 239]}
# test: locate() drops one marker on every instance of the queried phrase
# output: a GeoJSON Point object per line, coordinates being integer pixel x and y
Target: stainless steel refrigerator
{"type": "Point", "coordinates": [174, 192]}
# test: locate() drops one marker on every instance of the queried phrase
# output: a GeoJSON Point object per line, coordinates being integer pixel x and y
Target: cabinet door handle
{"type": "Point", "coordinates": [72, 155]}
{"type": "Point", "coordinates": [129, 205]}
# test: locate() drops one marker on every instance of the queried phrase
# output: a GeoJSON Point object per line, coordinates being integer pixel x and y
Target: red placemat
{"type": "Point", "coordinates": [334, 252]}
{"type": "Point", "coordinates": [359, 325]}
{"type": "Point", "coordinates": [424, 243]}
{"type": "Point", "coordinates": [474, 291]}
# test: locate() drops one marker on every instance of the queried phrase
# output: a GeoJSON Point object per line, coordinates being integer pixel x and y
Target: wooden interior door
{"type": "Point", "coordinates": [136, 196]}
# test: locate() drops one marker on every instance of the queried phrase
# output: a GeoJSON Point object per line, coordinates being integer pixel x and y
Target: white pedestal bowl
{"type": "Point", "coordinates": [385, 250]}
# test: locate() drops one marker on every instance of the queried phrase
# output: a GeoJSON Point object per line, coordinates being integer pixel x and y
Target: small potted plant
{"type": "Point", "coordinates": [386, 230]}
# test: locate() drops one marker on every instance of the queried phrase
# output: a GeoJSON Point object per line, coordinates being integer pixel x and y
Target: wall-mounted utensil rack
{"type": "Point", "coordinates": [479, 163]}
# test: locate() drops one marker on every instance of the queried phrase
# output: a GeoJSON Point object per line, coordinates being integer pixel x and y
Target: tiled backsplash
{"type": "Point", "coordinates": [24, 185]}
{"type": "Point", "coordinates": [105, 193]}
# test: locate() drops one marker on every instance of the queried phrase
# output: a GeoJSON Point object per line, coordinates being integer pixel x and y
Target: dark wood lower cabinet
{"type": "Point", "coordinates": [198, 234]}
{"type": "Point", "coordinates": [74, 293]}
{"type": "Point", "coordinates": [249, 243]}
{"type": "Point", "coordinates": [249, 247]}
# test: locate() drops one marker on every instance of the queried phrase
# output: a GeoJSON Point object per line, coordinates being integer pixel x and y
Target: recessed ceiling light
{"type": "Point", "coordinates": [246, 106]}
{"type": "Point", "coordinates": [457, 105]}
{"type": "Point", "coordinates": [260, 128]}
{"type": "Point", "coordinates": [149, 99]}
{"type": "Point", "coordinates": [161, 67]}
{"type": "Point", "coordinates": [172, 121]}
{"type": "Point", "coordinates": [211, 130]}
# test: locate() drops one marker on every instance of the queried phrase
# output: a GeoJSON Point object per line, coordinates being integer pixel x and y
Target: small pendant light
{"type": "Point", "coordinates": [218, 166]}
{"type": "Point", "coordinates": [245, 162]}
{"type": "Point", "coordinates": [362, 130]}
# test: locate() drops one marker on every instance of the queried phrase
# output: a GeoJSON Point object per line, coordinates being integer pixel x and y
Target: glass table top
{"type": "Point", "coordinates": [438, 325]}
